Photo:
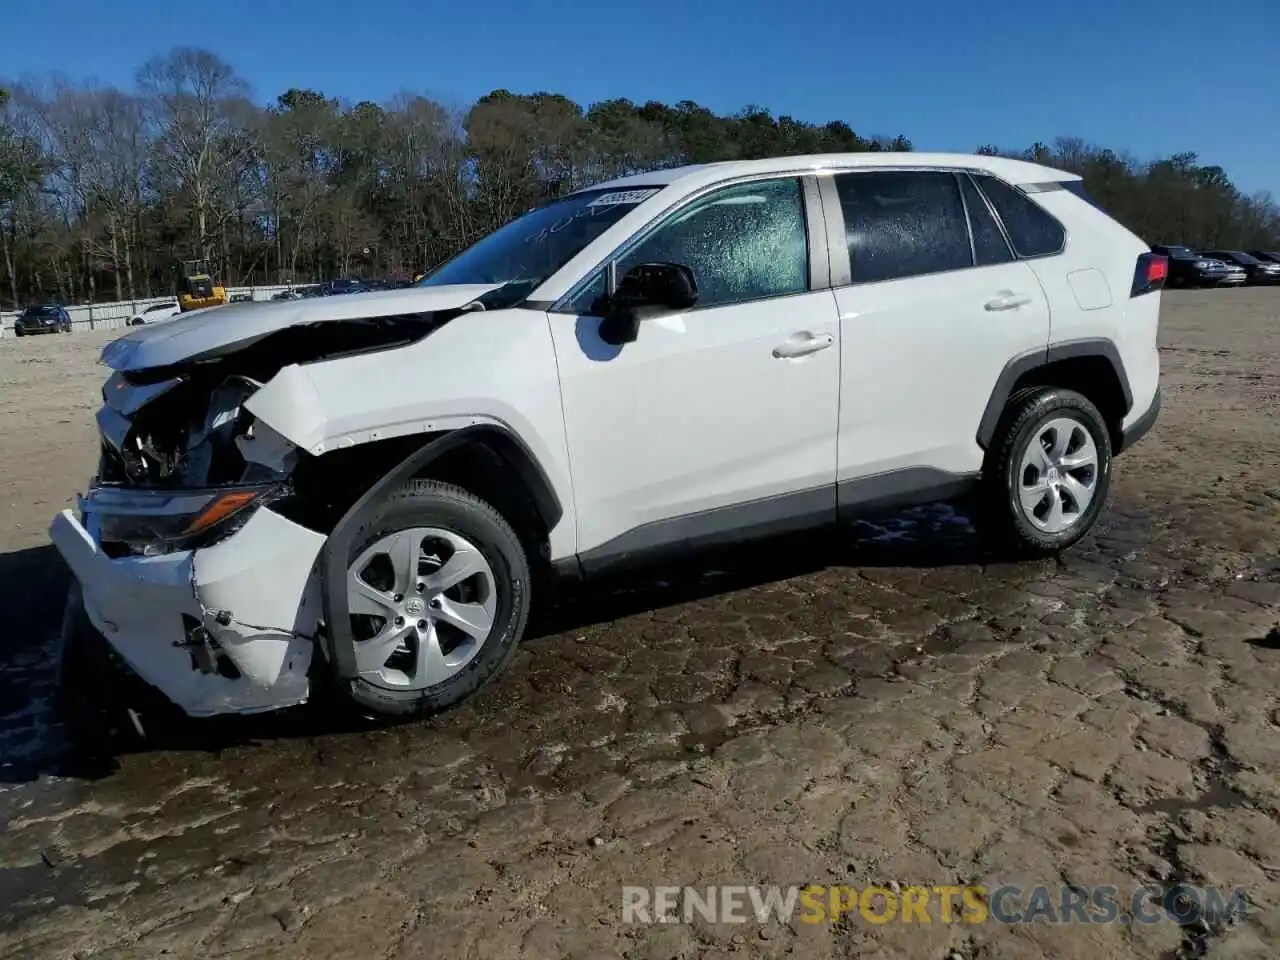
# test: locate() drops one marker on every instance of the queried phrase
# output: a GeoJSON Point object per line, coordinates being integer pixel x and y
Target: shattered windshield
{"type": "Point", "coordinates": [531, 248]}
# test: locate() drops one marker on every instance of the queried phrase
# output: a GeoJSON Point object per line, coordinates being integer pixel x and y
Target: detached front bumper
{"type": "Point", "coordinates": [225, 629]}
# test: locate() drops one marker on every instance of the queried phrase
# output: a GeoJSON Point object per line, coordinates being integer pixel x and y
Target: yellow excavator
{"type": "Point", "coordinates": [198, 288]}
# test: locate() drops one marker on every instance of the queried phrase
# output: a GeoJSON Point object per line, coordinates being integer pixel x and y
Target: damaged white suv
{"type": "Point", "coordinates": [360, 492]}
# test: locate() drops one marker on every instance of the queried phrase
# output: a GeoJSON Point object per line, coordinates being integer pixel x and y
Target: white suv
{"type": "Point", "coordinates": [155, 313]}
{"type": "Point", "coordinates": [361, 492]}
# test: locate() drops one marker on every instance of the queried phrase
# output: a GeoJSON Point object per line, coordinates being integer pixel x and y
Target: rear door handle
{"type": "Point", "coordinates": [1008, 300]}
{"type": "Point", "coordinates": [802, 344]}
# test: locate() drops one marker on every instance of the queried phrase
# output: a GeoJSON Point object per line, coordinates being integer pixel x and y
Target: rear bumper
{"type": "Point", "coordinates": [1140, 426]}
{"type": "Point", "coordinates": [225, 629]}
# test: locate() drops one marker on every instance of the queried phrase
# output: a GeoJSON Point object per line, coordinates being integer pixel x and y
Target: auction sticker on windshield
{"type": "Point", "coordinates": [621, 198]}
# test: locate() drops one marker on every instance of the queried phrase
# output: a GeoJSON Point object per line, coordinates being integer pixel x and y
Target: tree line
{"type": "Point", "coordinates": [103, 191]}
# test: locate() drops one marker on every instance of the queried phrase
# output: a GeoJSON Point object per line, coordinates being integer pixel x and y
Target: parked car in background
{"type": "Point", "coordinates": [1266, 256]}
{"type": "Point", "coordinates": [333, 288]}
{"type": "Point", "coordinates": [1256, 271]}
{"type": "Point", "coordinates": [49, 318]}
{"type": "Point", "coordinates": [155, 313]}
{"type": "Point", "coordinates": [1190, 269]}
{"type": "Point", "coordinates": [1236, 276]}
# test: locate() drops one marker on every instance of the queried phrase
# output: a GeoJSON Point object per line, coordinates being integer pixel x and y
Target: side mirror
{"type": "Point", "coordinates": [665, 286]}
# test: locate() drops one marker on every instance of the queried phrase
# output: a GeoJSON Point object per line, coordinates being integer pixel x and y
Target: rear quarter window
{"type": "Point", "coordinates": [1032, 231]}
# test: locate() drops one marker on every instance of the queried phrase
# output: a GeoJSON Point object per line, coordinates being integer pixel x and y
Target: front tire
{"type": "Point", "coordinates": [438, 586]}
{"type": "Point", "coordinates": [1048, 473]}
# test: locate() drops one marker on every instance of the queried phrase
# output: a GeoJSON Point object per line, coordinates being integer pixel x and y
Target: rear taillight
{"type": "Point", "coordinates": [1150, 275]}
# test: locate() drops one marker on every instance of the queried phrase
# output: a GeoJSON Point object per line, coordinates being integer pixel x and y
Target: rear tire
{"type": "Point", "coordinates": [413, 676]}
{"type": "Point", "coordinates": [1048, 472]}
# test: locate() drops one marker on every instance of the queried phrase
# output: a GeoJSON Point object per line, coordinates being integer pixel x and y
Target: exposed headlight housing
{"type": "Point", "coordinates": [140, 522]}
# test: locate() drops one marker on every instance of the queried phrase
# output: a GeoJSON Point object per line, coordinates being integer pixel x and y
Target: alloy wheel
{"type": "Point", "coordinates": [1058, 475]}
{"type": "Point", "coordinates": [423, 602]}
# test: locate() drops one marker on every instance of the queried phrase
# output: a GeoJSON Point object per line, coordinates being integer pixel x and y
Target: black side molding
{"type": "Point", "coordinates": [1021, 365]}
{"type": "Point", "coordinates": [732, 526]}
{"type": "Point", "coordinates": [337, 549]}
{"type": "Point", "coordinates": [662, 540]}
{"type": "Point", "coordinates": [899, 489]}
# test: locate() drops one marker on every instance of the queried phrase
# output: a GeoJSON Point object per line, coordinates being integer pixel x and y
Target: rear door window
{"type": "Point", "coordinates": [903, 224]}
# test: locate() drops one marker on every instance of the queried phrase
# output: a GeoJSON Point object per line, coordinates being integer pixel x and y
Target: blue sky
{"type": "Point", "coordinates": [1153, 78]}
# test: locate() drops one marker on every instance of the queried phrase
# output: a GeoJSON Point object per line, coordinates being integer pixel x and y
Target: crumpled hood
{"type": "Point", "coordinates": [215, 330]}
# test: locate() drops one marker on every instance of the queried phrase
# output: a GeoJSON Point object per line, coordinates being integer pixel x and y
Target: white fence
{"type": "Point", "coordinates": [112, 316]}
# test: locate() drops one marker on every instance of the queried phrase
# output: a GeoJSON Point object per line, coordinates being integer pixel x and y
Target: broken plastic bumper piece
{"type": "Point", "coordinates": [226, 628]}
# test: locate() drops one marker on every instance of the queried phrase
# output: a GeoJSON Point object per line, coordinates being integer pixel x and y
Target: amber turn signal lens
{"type": "Point", "coordinates": [220, 509]}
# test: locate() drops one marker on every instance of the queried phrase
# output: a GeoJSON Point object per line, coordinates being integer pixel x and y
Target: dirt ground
{"type": "Point", "coordinates": [893, 712]}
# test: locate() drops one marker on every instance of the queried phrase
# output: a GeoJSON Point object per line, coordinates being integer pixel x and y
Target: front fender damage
{"type": "Point", "coordinates": [292, 405]}
{"type": "Point", "coordinates": [259, 599]}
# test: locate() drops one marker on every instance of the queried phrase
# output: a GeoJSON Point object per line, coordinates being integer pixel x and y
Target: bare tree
{"type": "Point", "coordinates": [23, 166]}
{"type": "Point", "coordinates": [98, 138]}
{"type": "Point", "coordinates": [298, 144]}
{"type": "Point", "coordinates": [424, 186]}
{"type": "Point", "coordinates": [199, 105]}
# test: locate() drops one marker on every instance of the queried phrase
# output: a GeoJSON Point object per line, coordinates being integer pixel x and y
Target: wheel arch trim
{"type": "Point", "coordinates": [1033, 360]}
{"type": "Point", "coordinates": [334, 558]}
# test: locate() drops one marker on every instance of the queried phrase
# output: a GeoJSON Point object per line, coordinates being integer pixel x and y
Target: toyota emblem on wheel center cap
{"type": "Point", "coordinates": [414, 606]}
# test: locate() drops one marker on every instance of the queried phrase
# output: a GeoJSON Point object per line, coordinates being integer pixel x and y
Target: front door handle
{"type": "Point", "coordinates": [1008, 300]}
{"type": "Point", "coordinates": [802, 344]}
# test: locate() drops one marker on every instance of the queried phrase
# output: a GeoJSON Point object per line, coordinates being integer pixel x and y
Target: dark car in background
{"type": "Point", "coordinates": [49, 318]}
{"type": "Point", "coordinates": [1190, 269]}
{"type": "Point", "coordinates": [1256, 271]}
{"type": "Point", "coordinates": [335, 288]}
{"type": "Point", "coordinates": [1266, 256]}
